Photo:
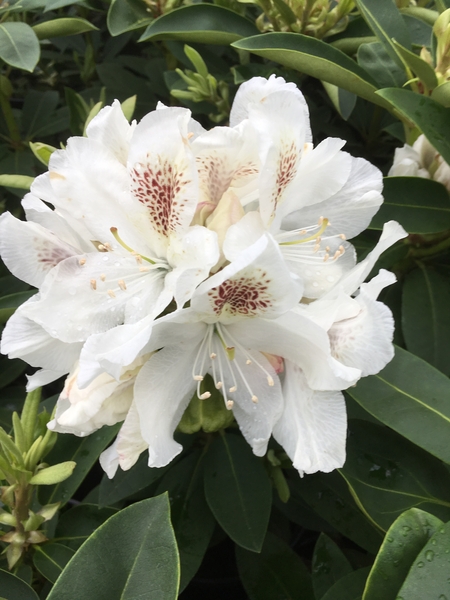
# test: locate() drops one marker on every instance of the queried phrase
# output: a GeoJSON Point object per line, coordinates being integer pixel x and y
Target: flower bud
{"type": "Point", "coordinates": [54, 474]}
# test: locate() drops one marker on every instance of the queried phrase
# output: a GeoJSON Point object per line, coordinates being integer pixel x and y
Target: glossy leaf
{"type": "Point", "coordinates": [431, 118]}
{"type": "Point", "coordinates": [126, 15]}
{"type": "Point", "coordinates": [238, 490]}
{"type": "Point", "coordinates": [62, 27]}
{"type": "Point", "coordinates": [76, 525]}
{"type": "Point", "coordinates": [426, 318]}
{"type": "Point", "coordinates": [204, 23]}
{"type": "Point", "coordinates": [19, 45]}
{"type": "Point", "coordinates": [85, 452]}
{"type": "Point", "coordinates": [329, 497]}
{"type": "Point", "coordinates": [404, 540]}
{"type": "Point", "coordinates": [411, 397]}
{"type": "Point", "coordinates": [313, 57]}
{"type": "Point", "coordinates": [277, 572]}
{"type": "Point", "coordinates": [429, 574]}
{"type": "Point", "coordinates": [420, 205]}
{"type": "Point", "coordinates": [127, 483]}
{"type": "Point", "coordinates": [50, 559]}
{"type": "Point", "coordinates": [329, 564]}
{"type": "Point", "coordinates": [384, 19]}
{"type": "Point", "coordinates": [13, 588]}
{"type": "Point", "coordinates": [374, 59]}
{"type": "Point", "coordinates": [133, 555]}
{"type": "Point", "coordinates": [387, 475]}
{"type": "Point", "coordinates": [350, 587]}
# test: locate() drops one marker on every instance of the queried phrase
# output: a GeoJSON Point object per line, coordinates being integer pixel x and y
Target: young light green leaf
{"type": "Point", "coordinates": [428, 576]}
{"type": "Point", "coordinates": [277, 572]}
{"type": "Point", "coordinates": [411, 397]}
{"type": "Point", "coordinates": [442, 94]}
{"type": "Point", "coordinates": [50, 559]}
{"type": "Point", "coordinates": [128, 107]}
{"type": "Point", "coordinates": [62, 27]}
{"type": "Point", "coordinates": [132, 555]}
{"type": "Point", "coordinates": [420, 205]}
{"type": "Point", "coordinates": [313, 57]}
{"type": "Point", "coordinates": [238, 490]}
{"type": "Point", "coordinates": [204, 23]}
{"type": "Point", "coordinates": [418, 66]}
{"type": "Point", "coordinates": [55, 474]}
{"type": "Point", "coordinates": [19, 45]}
{"type": "Point", "coordinates": [329, 564]}
{"type": "Point", "coordinates": [384, 19]}
{"type": "Point", "coordinates": [431, 118]}
{"type": "Point", "coordinates": [404, 540]}
{"type": "Point", "coordinates": [426, 318]}
{"type": "Point", "coordinates": [42, 151]}
{"type": "Point", "coordinates": [22, 182]}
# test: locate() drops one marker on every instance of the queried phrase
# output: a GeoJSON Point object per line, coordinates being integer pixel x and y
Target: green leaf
{"type": "Point", "coordinates": [350, 587]}
{"type": "Point", "coordinates": [78, 523]}
{"type": "Point", "coordinates": [133, 555]}
{"type": "Point", "coordinates": [50, 559]}
{"type": "Point", "coordinates": [22, 182]}
{"type": "Point", "coordinates": [404, 540]}
{"type": "Point", "coordinates": [127, 15]}
{"type": "Point", "coordinates": [442, 94]}
{"type": "Point", "coordinates": [238, 490]}
{"type": "Point", "coordinates": [424, 14]}
{"type": "Point", "coordinates": [429, 574]}
{"type": "Point", "coordinates": [19, 45]}
{"type": "Point", "coordinates": [431, 118]}
{"type": "Point", "coordinates": [277, 572]}
{"type": "Point", "coordinates": [383, 17]}
{"type": "Point", "coordinates": [411, 397]}
{"type": "Point", "coordinates": [62, 27]}
{"type": "Point", "coordinates": [328, 495]}
{"type": "Point", "coordinates": [418, 66]}
{"type": "Point", "coordinates": [344, 102]}
{"type": "Point", "coordinates": [10, 369]}
{"type": "Point", "coordinates": [127, 483]}
{"type": "Point", "coordinates": [204, 23]}
{"type": "Point", "coordinates": [54, 474]}
{"type": "Point", "coordinates": [426, 318]}
{"type": "Point", "coordinates": [85, 452]}
{"type": "Point", "coordinates": [8, 304]}
{"type": "Point", "coordinates": [315, 58]}
{"type": "Point", "coordinates": [419, 31]}
{"type": "Point", "coordinates": [329, 564]}
{"type": "Point", "coordinates": [13, 588]}
{"type": "Point", "coordinates": [55, 4]}
{"type": "Point", "coordinates": [78, 110]}
{"type": "Point", "coordinates": [377, 62]}
{"type": "Point", "coordinates": [42, 152]}
{"type": "Point", "coordinates": [420, 205]}
{"type": "Point", "coordinates": [387, 474]}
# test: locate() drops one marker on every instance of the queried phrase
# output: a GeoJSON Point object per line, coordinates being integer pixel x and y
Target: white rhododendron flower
{"type": "Point", "coordinates": [169, 258]}
{"type": "Point", "coordinates": [420, 160]}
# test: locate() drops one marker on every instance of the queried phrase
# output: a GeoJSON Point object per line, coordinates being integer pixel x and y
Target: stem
{"type": "Point", "coordinates": [431, 250]}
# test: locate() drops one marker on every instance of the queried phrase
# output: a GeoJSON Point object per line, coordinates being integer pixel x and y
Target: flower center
{"type": "Point", "coordinates": [311, 248]}
{"type": "Point", "coordinates": [246, 296]}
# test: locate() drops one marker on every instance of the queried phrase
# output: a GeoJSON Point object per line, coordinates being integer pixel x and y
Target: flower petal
{"type": "Point", "coordinates": [111, 128]}
{"type": "Point", "coordinates": [313, 426]}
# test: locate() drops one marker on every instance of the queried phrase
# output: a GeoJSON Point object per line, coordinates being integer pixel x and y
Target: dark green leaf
{"type": "Point", "coordinates": [238, 490]}
{"type": "Point", "coordinates": [133, 555]}
{"type": "Point", "coordinates": [387, 475]}
{"type": "Point", "coordinates": [404, 540]}
{"type": "Point", "coordinates": [419, 31]}
{"type": "Point", "coordinates": [411, 397]}
{"type": "Point", "coordinates": [329, 564]}
{"type": "Point", "coordinates": [77, 524]}
{"type": "Point", "coordinates": [384, 19]}
{"type": "Point", "coordinates": [50, 559]}
{"type": "Point", "coordinates": [127, 483]}
{"type": "Point", "coordinates": [204, 23]}
{"type": "Point", "coordinates": [344, 102]}
{"type": "Point", "coordinates": [10, 370]}
{"type": "Point", "coordinates": [350, 587]}
{"type": "Point", "coordinates": [431, 118]}
{"type": "Point", "coordinates": [13, 588]}
{"type": "Point", "coordinates": [420, 205]}
{"type": "Point", "coordinates": [426, 317]}
{"type": "Point", "coordinates": [429, 574]}
{"type": "Point", "coordinates": [378, 63]}
{"type": "Point", "coordinates": [84, 451]}
{"type": "Point", "coordinates": [62, 27]}
{"type": "Point", "coordinates": [127, 15]}
{"type": "Point", "coordinates": [313, 57]}
{"type": "Point", "coordinates": [38, 109]}
{"type": "Point", "coordinates": [19, 46]}
{"type": "Point", "coordinates": [78, 110]}
{"type": "Point", "coordinates": [8, 304]}
{"type": "Point", "coordinates": [276, 573]}
{"type": "Point", "coordinates": [329, 496]}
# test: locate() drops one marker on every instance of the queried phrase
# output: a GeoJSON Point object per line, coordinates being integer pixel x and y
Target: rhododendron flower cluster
{"type": "Point", "coordinates": [171, 260]}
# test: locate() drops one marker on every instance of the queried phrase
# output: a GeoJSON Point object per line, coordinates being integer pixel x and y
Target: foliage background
{"type": "Point", "coordinates": [375, 73]}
